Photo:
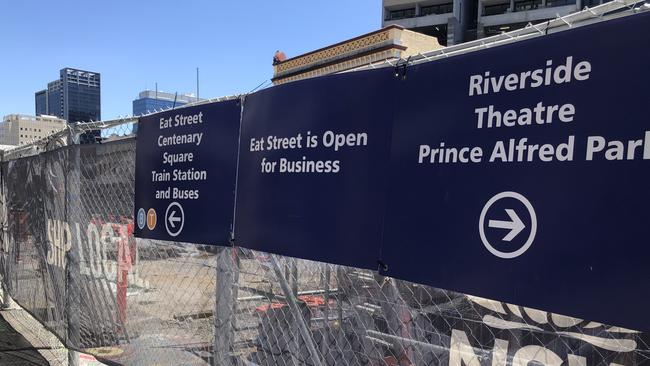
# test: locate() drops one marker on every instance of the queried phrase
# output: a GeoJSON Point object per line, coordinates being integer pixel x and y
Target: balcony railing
{"type": "Point", "coordinates": [496, 9]}
{"type": "Point", "coordinates": [436, 9]}
{"type": "Point", "coordinates": [551, 3]}
{"type": "Point", "coordinates": [528, 5]}
{"type": "Point", "coordinates": [424, 11]}
{"type": "Point", "coordinates": [400, 14]}
{"type": "Point", "coordinates": [524, 5]}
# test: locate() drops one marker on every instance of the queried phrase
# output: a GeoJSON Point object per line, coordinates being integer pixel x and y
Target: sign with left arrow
{"type": "Point", "coordinates": [186, 161]}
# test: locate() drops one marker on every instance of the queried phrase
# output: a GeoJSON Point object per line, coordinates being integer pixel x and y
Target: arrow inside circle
{"type": "Point", "coordinates": [172, 219]}
{"type": "Point", "coordinates": [515, 225]}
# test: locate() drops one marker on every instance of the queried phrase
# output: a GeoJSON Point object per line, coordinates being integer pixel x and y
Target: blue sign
{"type": "Point", "coordinates": [312, 165]}
{"type": "Point", "coordinates": [521, 173]}
{"type": "Point", "coordinates": [517, 173]}
{"type": "Point", "coordinates": [186, 164]}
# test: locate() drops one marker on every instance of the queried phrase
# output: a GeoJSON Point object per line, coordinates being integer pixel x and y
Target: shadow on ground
{"type": "Point", "coordinates": [15, 350]}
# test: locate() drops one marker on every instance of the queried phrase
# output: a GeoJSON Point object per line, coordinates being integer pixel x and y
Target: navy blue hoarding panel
{"type": "Point", "coordinates": [521, 173]}
{"type": "Point", "coordinates": [313, 158]}
{"type": "Point", "coordinates": [186, 163]}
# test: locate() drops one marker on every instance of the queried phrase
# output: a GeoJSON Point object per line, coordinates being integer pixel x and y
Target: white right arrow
{"type": "Point", "coordinates": [173, 219]}
{"type": "Point", "coordinates": [515, 225]}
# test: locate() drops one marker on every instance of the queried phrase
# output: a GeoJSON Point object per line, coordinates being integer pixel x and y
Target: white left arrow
{"type": "Point", "coordinates": [172, 219]}
{"type": "Point", "coordinates": [515, 225]}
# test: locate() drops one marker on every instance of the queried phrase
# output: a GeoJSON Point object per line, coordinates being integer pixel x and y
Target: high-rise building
{"type": "Point", "coordinates": [81, 95]}
{"type": "Point", "coordinates": [20, 129]}
{"type": "Point", "coordinates": [451, 21]}
{"type": "Point", "coordinates": [457, 21]}
{"type": "Point", "coordinates": [40, 98]}
{"type": "Point", "coordinates": [150, 100]}
{"type": "Point", "coordinates": [75, 96]}
{"type": "Point", "coordinates": [54, 98]}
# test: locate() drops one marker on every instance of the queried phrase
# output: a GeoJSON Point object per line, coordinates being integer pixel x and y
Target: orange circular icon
{"type": "Point", "coordinates": [152, 218]}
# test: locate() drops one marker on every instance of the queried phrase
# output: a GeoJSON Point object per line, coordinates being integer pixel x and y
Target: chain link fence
{"type": "Point", "coordinates": [70, 259]}
{"type": "Point", "coordinates": [68, 256]}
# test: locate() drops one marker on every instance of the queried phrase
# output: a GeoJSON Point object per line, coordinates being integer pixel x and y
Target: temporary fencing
{"type": "Point", "coordinates": [69, 258]}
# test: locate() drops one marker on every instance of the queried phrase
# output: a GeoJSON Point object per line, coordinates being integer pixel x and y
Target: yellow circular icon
{"type": "Point", "coordinates": [152, 218]}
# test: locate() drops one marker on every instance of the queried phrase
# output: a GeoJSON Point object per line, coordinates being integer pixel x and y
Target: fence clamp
{"type": "Point", "coordinates": [401, 68]}
{"type": "Point", "coordinates": [381, 266]}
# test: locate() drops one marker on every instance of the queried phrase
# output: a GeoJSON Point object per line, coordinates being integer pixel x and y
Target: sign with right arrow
{"type": "Point", "coordinates": [512, 227]}
{"type": "Point", "coordinates": [521, 173]}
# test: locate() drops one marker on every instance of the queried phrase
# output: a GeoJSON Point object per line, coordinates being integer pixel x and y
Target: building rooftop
{"type": "Point", "coordinates": [187, 97]}
{"type": "Point", "coordinates": [26, 117]}
{"type": "Point", "coordinates": [73, 71]}
{"type": "Point", "coordinates": [391, 42]}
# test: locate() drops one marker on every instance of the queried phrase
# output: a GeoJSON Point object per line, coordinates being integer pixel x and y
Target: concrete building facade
{"type": "Point", "coordinates": [392, 42]}
{"type": "Point", "coordinates": [497, 16]}
{"type": "Point", "coordinates": [20, 129]}
{"type": "Point", "coordinates": [451, 21]}
{"type": "Point", "coordinates": [459, 21]}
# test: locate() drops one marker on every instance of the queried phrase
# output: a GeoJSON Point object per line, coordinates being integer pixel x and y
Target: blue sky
{"type": "Point", "coordinates": [134, 44]}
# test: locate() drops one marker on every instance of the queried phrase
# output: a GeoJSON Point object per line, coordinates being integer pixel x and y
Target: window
{"type": "Point", "coordinates": [496, 9]}
{"type": "Point", "coordinates": [437, 9]}
{"type": "Point", "coordinates": [400, 14]}
{"type": "Point", "coordinates": [527, 5]}
{"type": "Point", "coordinates": [550, 3]}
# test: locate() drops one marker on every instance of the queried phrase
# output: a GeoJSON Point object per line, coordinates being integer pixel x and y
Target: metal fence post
{"type": "Point", "coordinates": [293, 305]}
{"type": "Point", "coordinates": [326, 311]}
{"type": "Point", "coordinates": [4, 237]}
{"type": "Point", "coordinates": [225, 298]}
{"type": "Point", "coordinates": [399, 319]}
{"type": "Point", "coordinates": [73, 293]}
{"type": "Point", "coordinates": [294, 276]}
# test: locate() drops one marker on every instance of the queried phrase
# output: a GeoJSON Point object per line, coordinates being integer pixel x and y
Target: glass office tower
{"type": "Point", "coordinates": [74, 97]}
{"type": "Point", "coordinates": [40, 98]}
{"type": "Point", "coordinates": [81, 95]}
{"type": "Point", "coordinates": [54, 97]}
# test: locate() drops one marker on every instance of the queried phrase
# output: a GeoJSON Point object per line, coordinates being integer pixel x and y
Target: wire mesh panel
{"type": "Point", "coordinates": [69, 257]}
{"type": "Point", "coordinates": [34, 249]}
{"type": "Point", "coordinates": [356, 317]}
